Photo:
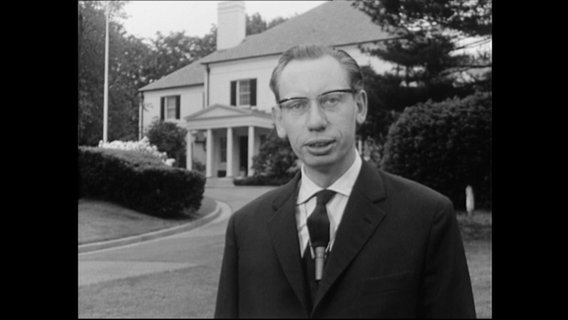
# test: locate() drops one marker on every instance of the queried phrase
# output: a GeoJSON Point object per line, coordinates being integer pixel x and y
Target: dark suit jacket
{"type": "Point", "coordinates": [397, 253]}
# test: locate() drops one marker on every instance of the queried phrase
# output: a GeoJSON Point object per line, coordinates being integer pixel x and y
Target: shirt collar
{"type": "Point", "coordinates": [343, 185]}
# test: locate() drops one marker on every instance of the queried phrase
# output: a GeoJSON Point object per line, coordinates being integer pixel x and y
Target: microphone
{"type": "Point", "coordinates": [320, 257]}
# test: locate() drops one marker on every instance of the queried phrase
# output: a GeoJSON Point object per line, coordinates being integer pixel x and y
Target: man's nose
{"type": "Point", "coordinates": [316, 117]}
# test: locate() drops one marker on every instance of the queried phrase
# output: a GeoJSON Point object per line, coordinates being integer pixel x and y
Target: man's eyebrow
{"type": "Point", "coordinates": [321, 94]}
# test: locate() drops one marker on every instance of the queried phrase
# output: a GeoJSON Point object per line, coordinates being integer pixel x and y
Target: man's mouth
{"type": "Point", "coordinates": [319, 146]}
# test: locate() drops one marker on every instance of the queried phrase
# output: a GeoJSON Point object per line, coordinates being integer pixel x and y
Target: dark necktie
{"type": "Point", "coordinates": [318, 227]}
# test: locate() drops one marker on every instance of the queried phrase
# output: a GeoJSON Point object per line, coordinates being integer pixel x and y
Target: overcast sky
{"type": "Point", "coordinates": [145, 18]}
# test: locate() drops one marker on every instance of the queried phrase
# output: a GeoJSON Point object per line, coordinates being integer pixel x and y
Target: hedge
{"type": "Point", "coordinates": [446, 146]}
{"type": "Point", "coordinates": [139, 181]}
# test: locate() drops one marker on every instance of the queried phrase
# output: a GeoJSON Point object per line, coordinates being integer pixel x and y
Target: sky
{"type": "Point", "coordinates": [145, 18]}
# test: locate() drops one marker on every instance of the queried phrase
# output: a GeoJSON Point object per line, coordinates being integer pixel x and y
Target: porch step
{"type": "Point", "coordinates": [219, 183]}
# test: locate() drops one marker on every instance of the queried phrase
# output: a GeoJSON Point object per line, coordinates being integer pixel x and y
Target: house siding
{"type": "Point", "coordinates": [191, 101]}
{"type": "Point", "coordinates": [223, 73]}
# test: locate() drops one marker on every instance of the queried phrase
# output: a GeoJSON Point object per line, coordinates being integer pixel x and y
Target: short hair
{"type": "Point", "coordinates": [312, 51]}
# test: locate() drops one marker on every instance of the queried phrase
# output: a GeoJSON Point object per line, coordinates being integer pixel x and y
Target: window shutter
{"type": "Point", "coordinates": [253, 92]}
{"type": "Point", "coordinates": [162, 104]}
{"type": "Point", "coordinates": [233, 93]}
{"type": "Point", "coordinates": [177, 107]}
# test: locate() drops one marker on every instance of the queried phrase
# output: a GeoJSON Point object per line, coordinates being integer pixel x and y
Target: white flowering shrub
{"type": "Point", "coordinates": [143, 146]}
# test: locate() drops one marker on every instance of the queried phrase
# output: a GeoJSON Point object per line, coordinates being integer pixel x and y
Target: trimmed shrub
{"type": "Point", "coordinates": [275, 163]}
{"type": "Point", "coordinates": [446, 146]}
{"type": "Point", "coordinates": [139, 181]}
{"type": "Point", "coordinates": [168, 137]}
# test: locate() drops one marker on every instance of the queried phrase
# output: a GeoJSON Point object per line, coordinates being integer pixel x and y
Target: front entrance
{"type": "Point", "coordinates": [243, 155]}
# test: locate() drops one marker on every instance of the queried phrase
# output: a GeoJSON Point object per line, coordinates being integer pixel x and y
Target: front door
{"type": "Point", "coordinates": [243, 155]}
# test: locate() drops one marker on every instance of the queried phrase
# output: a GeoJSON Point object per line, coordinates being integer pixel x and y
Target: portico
{"type": "Point", "coordinates": [226, 139]}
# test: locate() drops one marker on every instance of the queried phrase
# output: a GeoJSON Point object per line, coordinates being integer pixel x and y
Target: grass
{"type": "Point", "coordinates": [191, 292]}
{"type": "Point", "coordinates": [101, 220]}
{"type": "Point", "coordinates": [476, 234]}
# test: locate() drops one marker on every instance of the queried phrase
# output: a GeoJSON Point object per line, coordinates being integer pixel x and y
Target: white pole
{"type": "Point", "coordinates": [105, 102]}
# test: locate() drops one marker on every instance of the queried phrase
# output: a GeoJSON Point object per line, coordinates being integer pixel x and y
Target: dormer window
{"type": "Point", "coordinates": [243, 92]}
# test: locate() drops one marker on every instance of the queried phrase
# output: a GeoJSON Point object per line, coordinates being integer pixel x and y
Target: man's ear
{"type": "Point", "coordinates": [361, 103]}
{"type": "Point", "coordinates": [277, 119]}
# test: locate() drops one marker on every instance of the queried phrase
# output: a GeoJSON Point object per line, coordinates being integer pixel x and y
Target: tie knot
{"type": "Point", "coordinates": [323, 196]}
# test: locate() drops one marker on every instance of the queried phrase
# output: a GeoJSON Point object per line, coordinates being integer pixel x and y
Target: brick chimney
{"type": "Point", "coordinates": [231, 24]}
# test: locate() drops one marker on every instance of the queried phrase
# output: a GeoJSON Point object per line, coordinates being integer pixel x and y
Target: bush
{"type": "Point", "coordinates": [139, 181]}
{"type": "Point", "coordinates": [169, 138]}
{"type": "Point", "coordinates": [142, 146]}
{"type": "Point", "coordinates": [446, 146]}
{"type": "Point", "coordinates": [274, 163]}
{"type": "Point", "coordinates": [259, 180]}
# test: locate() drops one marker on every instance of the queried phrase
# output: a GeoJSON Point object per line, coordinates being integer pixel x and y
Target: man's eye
{"type": "Point", "coordinates": [331, 99]}
{"type": "Point", "coordinates": [296, 105]}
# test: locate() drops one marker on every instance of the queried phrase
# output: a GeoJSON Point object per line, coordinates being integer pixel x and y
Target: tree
{"type": "Point", "coordinates": [176, 50]}
{"type": "Point", "coordinates": [123, 99]}
{"type": "Point", "coordinates": [424, 53]}
{"type": "Point", "coordinates": [132, 65]}
{"type": "Point", "coordinates": [256, 24]}
{"type": "Point", "coordinates": [428, 33]}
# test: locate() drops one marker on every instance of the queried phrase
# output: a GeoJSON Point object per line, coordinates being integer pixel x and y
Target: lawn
{"type": "Point", "coordinates": [164, 295]}
{"type": "Point", "coordinates": [476, 233]}
{"type": "Point", "coordinates": [101, 220]}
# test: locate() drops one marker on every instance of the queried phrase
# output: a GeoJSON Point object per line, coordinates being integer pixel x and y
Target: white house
{"type": "Point", "coordinates": [224, 99]}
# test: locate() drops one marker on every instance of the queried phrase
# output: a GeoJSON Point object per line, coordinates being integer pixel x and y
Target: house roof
{"type": "Point", "coordinates": [220, 110]}
{"type": "Point", "coordinates": [190, 75]}
{"type": "Point", "coordinates": [334, 23]}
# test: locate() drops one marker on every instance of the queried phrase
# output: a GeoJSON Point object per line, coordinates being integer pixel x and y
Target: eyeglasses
{"type": "Point", "coordinates": [328, 101]}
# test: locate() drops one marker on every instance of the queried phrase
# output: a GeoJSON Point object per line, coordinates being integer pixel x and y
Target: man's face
{"type": "Point", "coordinates": [323, 139]}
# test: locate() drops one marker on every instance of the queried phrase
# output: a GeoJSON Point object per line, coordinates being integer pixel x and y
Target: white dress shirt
{"type": "Point", "coordinates": [306, 203]}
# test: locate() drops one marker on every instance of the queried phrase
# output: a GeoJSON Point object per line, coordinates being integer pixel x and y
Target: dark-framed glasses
{"type": "Point", "coordinates": [328, 101]}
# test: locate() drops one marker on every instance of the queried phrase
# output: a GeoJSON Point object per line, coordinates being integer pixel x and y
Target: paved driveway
{"type": "Point", "coordinates": [198, 248]}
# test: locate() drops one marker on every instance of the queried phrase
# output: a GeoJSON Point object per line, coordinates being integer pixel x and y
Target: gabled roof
{"type": "Point", "coordinates": [221, 111]}
{"type": "Point", "coordinates": [334, 23]}
{"type": "Point", "coordinates": [190, 75]}
{"type": "Point", "coordinates": [216, 116]}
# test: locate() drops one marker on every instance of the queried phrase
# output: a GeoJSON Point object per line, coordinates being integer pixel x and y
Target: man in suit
{"type": "Point", "coordinates": [390, 247]}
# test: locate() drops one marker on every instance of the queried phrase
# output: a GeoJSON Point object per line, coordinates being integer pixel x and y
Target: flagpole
{"type": "Point", "coordinates": [105, 102]}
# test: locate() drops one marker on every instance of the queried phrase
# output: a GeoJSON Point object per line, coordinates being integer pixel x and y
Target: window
{"type": "Point", "coordinates": [243, 92]}
{"type": "Point", "coordinates": [170, 107]}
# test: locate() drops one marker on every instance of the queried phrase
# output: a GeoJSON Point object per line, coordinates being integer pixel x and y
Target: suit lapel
{"type": "Point", "coordinates": [361, 217]}
{"type": "Point", "coordinates": [284, 237]}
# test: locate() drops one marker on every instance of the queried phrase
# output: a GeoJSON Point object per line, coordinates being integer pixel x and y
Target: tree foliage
{"type": "Point", "coordinates": [256, 24]}
{"type": "Point", "coordinates": [472, 18]}
{"type": "Point", "coordinates": [275, 159]}
{"type": "Point", "coordinates": [425, 52]}
{"type": "Point", "coordinates": [176, 50]}
{"type": "Point", "coordinates": [133, 63]}
{"type": "Point", "coordinates": [123, 100]}
{"type": "Point", "coordinates": [427, 35]}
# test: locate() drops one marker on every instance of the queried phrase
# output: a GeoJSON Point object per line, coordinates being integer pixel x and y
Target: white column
{"type": "Point", "coordinates": [209, 156]}
{"type": "Point", "coordinates": [250, 149]}
{"type": "Point", "coordinates": [229, 152]}
{"type": "Point", "coordinates": [188, 150]}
